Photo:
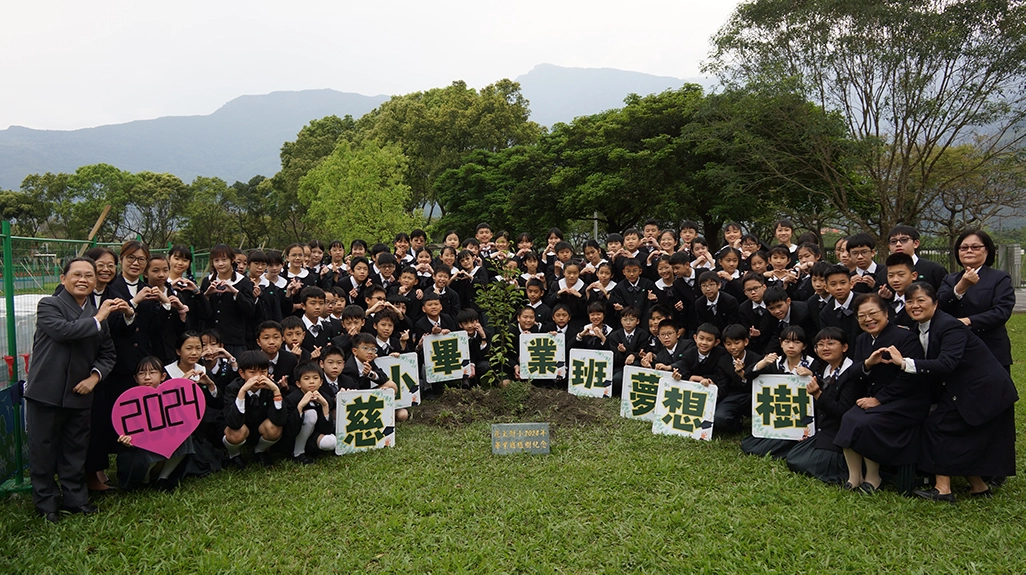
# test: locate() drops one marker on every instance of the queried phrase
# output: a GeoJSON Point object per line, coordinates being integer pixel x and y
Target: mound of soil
{"type": "Point", "coordinates": [518, 402]}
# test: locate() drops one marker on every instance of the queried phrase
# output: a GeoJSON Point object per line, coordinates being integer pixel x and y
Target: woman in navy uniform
{"type": "Point", "coordinates": [883, 427]}
{"type": "Point", "coordinates": [980, 296]}
{"type": "Point", "coordinates": [972, 430]}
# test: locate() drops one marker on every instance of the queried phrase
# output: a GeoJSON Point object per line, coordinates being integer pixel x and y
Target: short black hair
{"type": "Point", "coordinates": [709, 328]}
{"type": "Point", "coordinates": [900, 259]}
{"type": "Point", "coordinates": [861, 240]}
{"type": "Point", "coordinates": [291, 322]}
{"type": "Point", "coordinates": [736, 332]}
{"type": "Point", "coordinates": [837, 269]}
{"type": "Point", "coordinates": [630, 311]}
{"type": "Point", "coordinates": [774, 294]}
{"type": "Point", "coordinates": [903, 229]}
{"type": "Point", "coordinates": [708, 276]}
{"type": "Point", "coordinates": [307, 367]}
{"type": "Point", "coordinates": [310, 292]}
{"type": "Point", "coordinates": [269, 324]}
{"type": "Point", "coordinates": [353, 311]}
{"type": "Point", "coordinates": [253, 359]}
{"type": "Point", "coordinates": [466, 315]}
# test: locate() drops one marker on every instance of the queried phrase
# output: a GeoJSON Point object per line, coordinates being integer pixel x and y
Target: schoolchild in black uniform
{"type": "Point", "coordinates": [752, 314]}
{"type": "Point", "coordinates": [308, 428]}
{"type": "Point", "coordinates": [839, 310]}
{"type": "Point", "coordinates": [282, 362]}
{"type": "Point", "coordinates": [786, 313]}
{"type": "Point", "coordinates": [794, 361]}
{"type": "Point", "coordinates": [254, 411]}
{"type": "Point", "coordinates": [834, 393]}
{"type": "Point", "coordinates": [231, 299]}
{"type": "Point", "coordinates": [901, 272]}
{"type": "Point", "coordinates": [469, 321]}
{"type": "Point", "coordinates": [357, 281]}
{"type": "Point", "coordinates": [627, 345]}
{"type": "Point", "coordinates": [867, 277]}
{"type": "Point", "coordinates": [360, 371]}
{"type": "Point", "coordinates": [734, 403]}
{"type": "Point", "coordinates": [715, 307]}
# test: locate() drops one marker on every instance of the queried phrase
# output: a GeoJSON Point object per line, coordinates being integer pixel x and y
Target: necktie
{"type": "Point", "coordinates": [387, 348]}
{"type": "Point", "coordinates": [270, 368]}
{"type": "Point", "coordinates": [784, 324]}
{"type": "Point", "coordinates": [629, 338]}
{"type": "Point", "coordinates": [712, 309]}
{"type": "Point", "coordinates": [633, 289]}
{"type": "Point", "coordinates": [333, 385]}
{"type": "Point", "coordinates": [315, 329]}
{"type": "Point", "coordinates": [759, 311]}
{"type": "Point", "coordinates": [924, 338]}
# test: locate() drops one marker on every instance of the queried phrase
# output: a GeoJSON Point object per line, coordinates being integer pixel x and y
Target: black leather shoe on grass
{"type": "Point", "coordinates": [934, 495]}
{"type": "Point", "coordinates": [86, 509]}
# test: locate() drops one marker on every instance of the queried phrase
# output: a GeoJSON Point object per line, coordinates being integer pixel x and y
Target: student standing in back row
{"type": "Point", "coordinates": [231, 300]}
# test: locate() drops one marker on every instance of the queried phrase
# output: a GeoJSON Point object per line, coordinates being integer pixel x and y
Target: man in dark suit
{"type": "Point", "coordinates": [71, 353]}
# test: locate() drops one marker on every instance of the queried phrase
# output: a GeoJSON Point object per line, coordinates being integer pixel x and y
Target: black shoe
{"type": "Point", "coordinates": [982, 494]}
{"type": "Point", "coordinates": [997, 480]}
{"type": "Point", "coordinates": [849, 487]}
{"type": "Point", "coordinates": [86, 509]}
{"type": "Point", "coordinates": [868, 488]}
{"type": "Point", "coordinates": [934, 495]}
{"type": "Point", "coordinates": [303, 459]}
{"type": "Point", "coordinates": [49, 516]}
{"type": "Point", "coordinates": [265, 458]}
{"type": "Point", "coordinates": [165, 485]}
{"type": "Point", "coordinates": [237, 462]}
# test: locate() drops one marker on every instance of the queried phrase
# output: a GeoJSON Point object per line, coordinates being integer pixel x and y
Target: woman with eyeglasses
{"type": "Point", "coordinates": [971, 432]}
{"type": "Point", "coordinates": [980, 296]}
{"type": "Point", "coordinates": [884, 427]}
{"type": "Point", "coordinates": [97, 460]}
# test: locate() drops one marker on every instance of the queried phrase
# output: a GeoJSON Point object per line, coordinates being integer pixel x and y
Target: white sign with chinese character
{"type": "Point", "coordinates": [364, 420]}
{"type": "Point", "coordinates": [685, 408]}
{"type": "Point", "coordinates": [542, 356]}
{"type": "Point", "coordinates": [640, 392]}
{"type": "Point", "coordinates": [404, 371]}
{"type": "Point", "coordinates": [591, 373]}
{"type": "Point", "coordinates": [447, 357]}
{"type": "Point", "coordinates": [782, 408]}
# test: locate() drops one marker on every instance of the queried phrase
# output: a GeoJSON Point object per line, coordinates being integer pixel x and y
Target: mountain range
{"type": "Point", "coordinates": [243, 137]}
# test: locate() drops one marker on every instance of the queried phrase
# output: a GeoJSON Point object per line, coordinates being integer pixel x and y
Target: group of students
{"type": "Point", "coordinates": [909, 364]}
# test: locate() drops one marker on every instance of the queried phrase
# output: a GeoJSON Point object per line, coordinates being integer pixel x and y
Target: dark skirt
{"type": "Point", "coordinates": [889, 434]}
{"type": "Point", "coordinates": [761, 446]}
{"type": "Point", "coordinates": [134, 464]}
{"type": "Point", "coordinates": [952, 447]}
{"type": "Point", "coordinates": [824, 464]}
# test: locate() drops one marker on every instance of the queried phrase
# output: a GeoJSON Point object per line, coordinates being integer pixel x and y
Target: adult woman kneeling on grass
{"type": "Point", "coordinates": [883, 427]}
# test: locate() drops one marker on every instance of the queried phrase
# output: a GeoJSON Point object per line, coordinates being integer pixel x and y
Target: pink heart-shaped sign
{"type": "Point", "coordinates": [161, 419]}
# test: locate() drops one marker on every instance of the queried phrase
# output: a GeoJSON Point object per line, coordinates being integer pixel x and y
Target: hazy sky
{"type": "Point", "coordinates": [75, 64]}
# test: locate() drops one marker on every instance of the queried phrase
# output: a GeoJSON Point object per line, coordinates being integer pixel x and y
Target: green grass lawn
{"type": "Point", "coordinates": [612, 497]}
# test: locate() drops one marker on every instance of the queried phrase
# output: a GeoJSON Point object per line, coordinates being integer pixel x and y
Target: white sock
{"type": "Point", "coordinates": [233, 449]}
{"type": "Point", "coordinates": [327, 443]}
{"type": "Point", "coordinates": [263, 445]}
{"type": "Point", "coordinates": [169, 466]}
{"type": "Point", "coordinates": [305, 431]}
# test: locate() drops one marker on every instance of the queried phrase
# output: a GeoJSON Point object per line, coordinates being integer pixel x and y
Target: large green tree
{"type": "Point", "coordinates": [157, 207]}
{"type": "Point", "coordinates": [280, 194]}
{"type": "Point", "coordinates": [911, 78]}
{"type": "Point", "coordinates": [358, 191]}
{"type": "Point", "coordinates": [438, 129]}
